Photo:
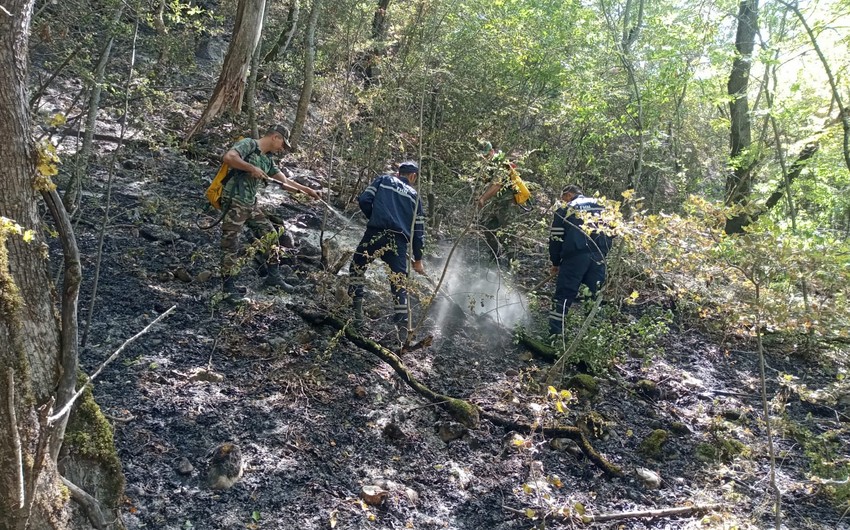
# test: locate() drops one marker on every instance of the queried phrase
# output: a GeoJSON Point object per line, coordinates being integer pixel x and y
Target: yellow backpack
{"type": "Point", "coordinates": [216, 188]}
{"type": "Point", "coordinates": [521, 193]}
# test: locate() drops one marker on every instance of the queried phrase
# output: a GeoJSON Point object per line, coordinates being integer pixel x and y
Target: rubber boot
{"type": "Point", "coordinates": [275, 280]}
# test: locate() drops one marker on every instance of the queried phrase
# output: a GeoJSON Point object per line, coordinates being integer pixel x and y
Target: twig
{"type": "Point", "coordinates": [16, 436]}
{"type": "Point", "coordinates": [111, 358]}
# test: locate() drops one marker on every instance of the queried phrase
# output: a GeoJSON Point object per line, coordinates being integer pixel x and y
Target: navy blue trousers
{"type": "Point", "coordinates": [390, 247]}
{"type": "Point", "coordinates": [585, 268]}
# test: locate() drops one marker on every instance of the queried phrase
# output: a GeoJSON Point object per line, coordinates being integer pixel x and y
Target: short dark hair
{"type": "Point", "coordinates": [572, 188]}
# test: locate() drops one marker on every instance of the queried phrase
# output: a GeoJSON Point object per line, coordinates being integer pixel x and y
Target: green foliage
{"type": "Point", "coordinates": [826, 461]}
{"type": "Point", "coordinates": [613, 334]}
{"type": "Point", "coordinates": [653, 445]}
{"type": "Point", "coordinates": [789, 283]}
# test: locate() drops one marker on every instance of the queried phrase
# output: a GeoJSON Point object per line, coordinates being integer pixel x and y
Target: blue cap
{"type": "Point", "coordinates": [405, 168]}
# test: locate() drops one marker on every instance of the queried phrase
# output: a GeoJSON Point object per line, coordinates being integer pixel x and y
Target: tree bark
{"type": "Point", "coordinates": [309, 73]}
{"type": "Point", "coordinates": [29, 334]}
{"type": "Point", "coordinates": [739, 183]}
{"type": "Point", "coordinates": [228, 92]}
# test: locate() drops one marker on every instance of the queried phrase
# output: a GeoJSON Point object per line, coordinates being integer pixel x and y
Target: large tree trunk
{"type": "Point", "coordinates": [740, 181]}
{"type": "Point", "coordinates": [309, 73]}
{"type": "Point", "coordinates": [230, 88]}
{"type": "Point", "coordinates": [379, 32]}
{"type": "Point", "coordinates": [38, 357]}
{"type": "Point", "coordinates": [29, 335]}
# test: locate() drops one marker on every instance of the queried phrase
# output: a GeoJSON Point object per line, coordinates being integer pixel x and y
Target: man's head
{"type": "Point", "coordinates": [570, 192]}
{"type": "Point", "coordinates": [409, 170]}
{"type": "Point", "coordinates": [485, 149]}
{"type": "Point", "coordinates": [279, 136]}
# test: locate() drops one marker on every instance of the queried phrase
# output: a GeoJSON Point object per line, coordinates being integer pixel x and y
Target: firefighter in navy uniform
{"type": "Point", "coordinates": [393, 208]}
{"type": "Point", "coordinates": [577, 251]}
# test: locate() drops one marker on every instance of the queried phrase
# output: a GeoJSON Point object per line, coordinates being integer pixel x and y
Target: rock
{"type": "Point", "coordinates": [203, 276]}
{"type": "Point", "coordinates": [373, 495]}
{"type": "Point", "coordinates": [450, 430]}
{"type": "Point", "coordinates": [202, 374]}
{"type": "Point", "coordinates": [565, 445]}
{"type": "Point", "coordinates": [511, 372]}
{"type": "Point", "coordinates": [226, 466]}
{"type": "Point", "coordinates": [733, 415]}
{"type": "Point", "coordinates": [183, 275]}
{"type": "Point", "coordinates": [584, 384]}
{"type": "Point", "coordinates": [211, 49]}
{"type": "Point", "coordinates": [650, 479]}
{"type": "Point", "coordinates": [648, 388]}
{"type": "Point", "coordinates": [184, 467]}
{"type": "Point", "coordinates": [360, 391]}
{"type": "Point", "coordinates": [165, 276]}
{"type": "Point", "coordinates": [157, 233]}
{"type": "Point", "coordinates": [679, 428]}
{"type": "Point", "coordinates": [411, 495]}
{"type": "Point", "coordinates": [652, 445]}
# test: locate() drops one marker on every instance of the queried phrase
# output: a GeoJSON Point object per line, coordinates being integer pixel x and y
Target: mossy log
{"type": "Point", "coordinates": [567, 431]}
{"type": "Point", "coordinates": [538, 348]}
{"type": "Point", "coordinates": [462, 411]}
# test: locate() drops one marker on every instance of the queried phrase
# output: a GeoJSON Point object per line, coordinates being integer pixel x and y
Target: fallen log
{"type": "Point", "coordinates": [681, 511]}
{"type": "Point", "coordinates": [462, 411]}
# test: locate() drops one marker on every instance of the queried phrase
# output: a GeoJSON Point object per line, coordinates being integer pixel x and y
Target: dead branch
{"type": "Point", "coordinates": [568, 431]}
{"type": "Point", "coordinates": [89, 504]}
{"type": "Point", "coordinates": [681, 511]}
{"type": "Point", "coordinates": [111, 358]}
{"type": "Point", "coordinates": [71, 279]}
{"type": "Point", "coordinates": [16, 440]}
{"type": "Point", "coordinates": [462, 411]}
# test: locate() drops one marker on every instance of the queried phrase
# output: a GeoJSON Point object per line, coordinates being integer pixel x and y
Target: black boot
{"type": "Point", "coordinates": [275, 280]}
{"type": "Point", "coordinates": [232, 292]}
{"type": "Point", "coordinates": [357, 305]}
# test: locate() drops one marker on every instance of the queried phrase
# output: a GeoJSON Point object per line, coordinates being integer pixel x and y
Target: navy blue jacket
{"type": "Point", "coordinates": [390, 203]}
{"type": "Point", "coordinates": [567, 236]}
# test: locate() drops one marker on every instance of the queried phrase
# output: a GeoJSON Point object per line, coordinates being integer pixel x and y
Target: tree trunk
{"type": "Point", "coordinates": [227, 96]}
{"type": "Point", "coordinates": [38, 356]}
{"type": "Point", "coordinates": [251, 104]}
{"type": "Point", "coordinates": [309, 73]}
{"type": "Point", "coordinates": [379, 30]}
{"type": "Point", "coordinates": [282, 43]}
{"type": "Point", "coordinates": [29, 335]}
{"type": "Point", "coordinates": [739, 183]}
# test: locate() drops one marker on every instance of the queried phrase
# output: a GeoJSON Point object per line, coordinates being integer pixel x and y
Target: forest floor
{"type": "Point", "coordinates": [317, 417]}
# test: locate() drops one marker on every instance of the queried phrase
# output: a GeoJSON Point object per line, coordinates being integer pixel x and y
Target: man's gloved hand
{"type": "Point", "coordinates": [419, 267]}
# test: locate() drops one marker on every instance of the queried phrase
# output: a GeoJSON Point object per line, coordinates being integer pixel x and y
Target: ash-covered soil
{"type": "Point", "coordinates": [317, 418]}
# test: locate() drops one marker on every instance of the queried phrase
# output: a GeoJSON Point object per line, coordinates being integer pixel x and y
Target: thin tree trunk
{"type": "Point", "coordinates": [230, 89]}
{"type": "Point", "coordinates": [72, 193]}
{"type": "Point", "coordinates": [739, 183]}
{"type": "Point", "coordinates": [844, 112]}
{"type": "Point", "coordinates": [251, 105]}
{"type": "Point", "coordinates": [285, 38]}
{"type": "Point", "coordinates": [309, 73]}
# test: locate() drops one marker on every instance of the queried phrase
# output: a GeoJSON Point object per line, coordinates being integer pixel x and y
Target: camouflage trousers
{"type": "Point", "coordinates": [265, 234]}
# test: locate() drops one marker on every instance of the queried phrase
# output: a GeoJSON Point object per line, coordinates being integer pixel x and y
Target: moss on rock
{"type": "Point", "coordinates": [89, 438]}
{"type": "Point", "coordinates": [584, 382]}
{"type": "Point", "coordinates": [722, 450]}
{"type": "Point", "coordinates": [652, 446]}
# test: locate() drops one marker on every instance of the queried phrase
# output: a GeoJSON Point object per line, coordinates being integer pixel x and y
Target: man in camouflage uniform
{"type": "Point", "coordinates": [249, 166]}
{"type": "Point", "coordinates": [499, 194]}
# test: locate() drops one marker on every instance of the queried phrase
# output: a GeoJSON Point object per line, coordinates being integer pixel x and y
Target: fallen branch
{"type": "Point", "coordinates": [461, 410]}
{"type": "Point", "coordinates": [568, 431]}
{"type": "Point", "coordinates": [651, 514]}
